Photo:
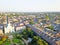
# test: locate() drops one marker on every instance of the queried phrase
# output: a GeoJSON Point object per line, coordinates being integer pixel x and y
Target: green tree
{"type": "Point", "coordinates": [50, 27]}
{"type": "Point", "coordinates": [4, 38]}
{"type": "Point", "coordinates": [47, 17]}
{"type": "Point", "coordinates": [19, 36]}
{"type": "Point", "coordinates": [30, 32]}
{"type": "Point", "coordinates": [45, 43]}
{"type": "Point", "coordinates": [40, 42]}
{"type": "Point", "coordinates": [1, 42]}
{"type": "Point", "coordinates": [25, 34]}
{"type": "Point", "coordinates": [35, 38]}
{"type": "Point", "coordinates": [31, 21]}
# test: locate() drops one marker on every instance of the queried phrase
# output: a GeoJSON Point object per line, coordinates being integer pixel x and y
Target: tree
{"type": "Point", "coordinates": [19, 36]}
{"type": "Point", "coordinates": [4, 38]}
{"type": "Point", "coordinates": [1, 42]}
{"type": "Point", "coordinates": [25, 34]}
{"type": "Point", "coordinates": [29, 32]}
{"type": "Point", "coordinates": [45, 43]}
{"type": "Point", "coordinates": [51, 27]}
{"type": "Point", "coordinates": [31, 21]}
{"type": "Point", "coordinates": [35, 38]}
{"type": "Point", "coordinates": [47, 17]}
{"type": "Point", "coordinates": [40, 42]}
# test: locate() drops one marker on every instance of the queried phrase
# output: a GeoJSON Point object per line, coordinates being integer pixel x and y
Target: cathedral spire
{"type": "Point", "coordinates": [7, 19]}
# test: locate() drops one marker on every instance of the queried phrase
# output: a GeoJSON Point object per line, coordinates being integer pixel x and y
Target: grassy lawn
{"type": "Point", "coordinates": [14, 41]}
{"type": "Point", "coordinates": [7, 43]}
{"type": "Point", "coordinates": [18, 41]}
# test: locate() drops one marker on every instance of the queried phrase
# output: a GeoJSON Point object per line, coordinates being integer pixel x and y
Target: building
{"type": "Point", "coordinates": [57, 42]}
{"type": "Point", "coordinates": [8, 28]}
{"type": "Point", "coordinates": [20, 27]}
{"type": "Point", "coordinates": [1, 29]}
{"type": "Point", "coordinates": [57, 28]}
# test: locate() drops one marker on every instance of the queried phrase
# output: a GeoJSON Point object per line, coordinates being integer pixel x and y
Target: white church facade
{"type": "Point", "coordinates": [9, 28]}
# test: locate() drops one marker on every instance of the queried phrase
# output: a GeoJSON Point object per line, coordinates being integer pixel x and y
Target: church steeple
{"type": "Point", "coordinates": [7, 20]}
{"type": "Point", "coordinates": [3, 29]}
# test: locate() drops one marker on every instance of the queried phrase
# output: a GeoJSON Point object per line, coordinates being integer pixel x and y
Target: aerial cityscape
{"type": "Point", "coordinates": [30, 28]}
{"type": "Point", "coordinates": [29, 22]}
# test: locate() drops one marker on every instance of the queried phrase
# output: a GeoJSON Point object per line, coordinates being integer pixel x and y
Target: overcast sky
{"type": "Point", "coordinates": [29, 5]}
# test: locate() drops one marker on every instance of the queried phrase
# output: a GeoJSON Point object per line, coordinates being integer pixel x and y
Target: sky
{"type": "Point", "coordinates": [29, 5]}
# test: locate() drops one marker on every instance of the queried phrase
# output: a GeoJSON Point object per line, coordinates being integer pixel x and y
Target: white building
{"type": "Point", "coordinates": [1, 31]}
{"type": "Point", "coordinates": [20, 27]}
{"type": "Point", "coordinates": [9, 28]}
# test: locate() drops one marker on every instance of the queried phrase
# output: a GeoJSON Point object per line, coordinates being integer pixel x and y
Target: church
{"type": "Point", "coordinates": [8, 28]}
